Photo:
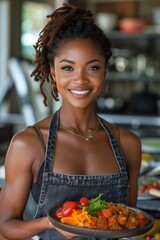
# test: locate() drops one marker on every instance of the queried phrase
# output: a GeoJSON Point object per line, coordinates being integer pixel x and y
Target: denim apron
{"type": "Point", "coordinates": [53, 188]}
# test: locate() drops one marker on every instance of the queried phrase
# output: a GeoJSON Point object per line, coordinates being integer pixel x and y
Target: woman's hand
{"type": "Point", "coordinates": [64, 233]}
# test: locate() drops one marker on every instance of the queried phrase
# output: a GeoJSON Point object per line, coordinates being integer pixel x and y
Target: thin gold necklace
{"type": "Point", "coordinates": [88, 137]}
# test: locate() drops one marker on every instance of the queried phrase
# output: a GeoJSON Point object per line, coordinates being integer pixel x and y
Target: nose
{"type": "Point", "coordinates": [80, 77]}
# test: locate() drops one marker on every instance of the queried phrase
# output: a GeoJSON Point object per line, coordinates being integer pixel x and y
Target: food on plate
{"type": "Point", "coordinates": [153, 233]}
{"type": "Point", "coordinates": [146, 183]}
{"type": "Point", "coordinates": [147, 187]}
{"type": "Point", "coordinates": [66, 210]}
{"type": "Point", "coordinates": [155, 192]}
{"type": "Point", "coordinates": [84, 201]}
{"type": "Point", "coordinates": [100, 214]}
{"type": "Point", "coordinates": [92, 206]}
{"type": "Point", "coordinates": [80, 218]}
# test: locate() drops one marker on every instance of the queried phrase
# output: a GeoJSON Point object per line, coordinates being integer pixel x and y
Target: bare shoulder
{"type": "Point", "coordinates": [23, 141]}
{"type": "Point", "coordinates": [129, 142]}
{"type": "Point", "coordinates": [122, 135]}
{"type": "Point", "coordinates": [27, 136]}
{"type": "Point", "coordinates": [24, 146]}
{"type": "Point", "coordinates": [129, 137]}
{"type": "Point", "coordinates": [130, 145]}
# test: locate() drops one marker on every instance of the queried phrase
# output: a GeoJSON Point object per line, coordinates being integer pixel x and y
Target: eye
{"type": "Point", "coordinates": [67, 68]}
{"type": "Point", "coordinates": [94, 68]}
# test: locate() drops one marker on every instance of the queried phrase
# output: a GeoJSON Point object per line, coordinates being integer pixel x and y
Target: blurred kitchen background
{"type": "Point", "coordinates": [133, 96]}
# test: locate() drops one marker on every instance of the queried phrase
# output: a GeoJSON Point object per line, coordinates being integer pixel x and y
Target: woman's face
{"type": "Point", "coordinates": [79, 71]}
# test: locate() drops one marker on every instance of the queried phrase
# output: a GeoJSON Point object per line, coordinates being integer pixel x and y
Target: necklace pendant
{"type": "Point", "coordinates": [88, 138]}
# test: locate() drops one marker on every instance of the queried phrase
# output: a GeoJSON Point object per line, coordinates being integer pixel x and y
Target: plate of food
{"type": "Point", "coordinates": [98, 218]}
{"type": "Point", "coordinates": [146, 184]}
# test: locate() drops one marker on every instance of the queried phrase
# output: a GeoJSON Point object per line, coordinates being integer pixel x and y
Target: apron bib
{"type": "Point", "coordinates": [57, 188]}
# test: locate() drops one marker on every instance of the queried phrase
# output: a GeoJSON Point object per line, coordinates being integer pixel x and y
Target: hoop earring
{"type": "Point", "coordinates": [104, 93]}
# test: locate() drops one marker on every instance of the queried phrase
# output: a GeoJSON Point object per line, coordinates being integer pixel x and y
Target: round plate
{"type": "Point", "coordinates": [101, 233]}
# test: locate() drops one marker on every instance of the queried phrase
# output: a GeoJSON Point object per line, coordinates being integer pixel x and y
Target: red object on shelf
{"type": "Point", "coordinates": [131, 25]}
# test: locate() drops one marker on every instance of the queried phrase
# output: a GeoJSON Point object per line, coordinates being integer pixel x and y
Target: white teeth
{"type": "Point", "coordinates": [80, 92]}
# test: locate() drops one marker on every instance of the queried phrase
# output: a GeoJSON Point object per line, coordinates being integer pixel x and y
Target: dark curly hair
{"type": "Point", "coordinates": [66, 23]}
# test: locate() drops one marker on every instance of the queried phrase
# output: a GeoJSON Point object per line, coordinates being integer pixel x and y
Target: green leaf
{"type": "Point", "coordinates": [96, 205]}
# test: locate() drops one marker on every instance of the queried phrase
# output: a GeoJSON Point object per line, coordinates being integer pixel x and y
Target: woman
{"type": "Point", "coordinates": [72, 153]}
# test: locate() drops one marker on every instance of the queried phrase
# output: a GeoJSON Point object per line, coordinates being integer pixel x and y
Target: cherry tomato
{"type": "Point", "coordinates": [65, 203]}
{"type": "Point", "coordinates": [68, 208]}
{"type": "Point", "coordinates": [58, 213]}
{"type": "Point", "coordinates": [84, 201]}
{"type": "Point", "coordinates": [77, 205]}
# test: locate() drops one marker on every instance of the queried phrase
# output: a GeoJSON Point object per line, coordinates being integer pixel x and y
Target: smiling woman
{"type": "Point", "coordinates": [74, 152]}
{"type": "Point", "coordinates": [79, 73]}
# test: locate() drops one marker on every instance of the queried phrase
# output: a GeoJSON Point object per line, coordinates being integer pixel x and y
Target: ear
{"type": "Point", "coordinates": [52, 70]}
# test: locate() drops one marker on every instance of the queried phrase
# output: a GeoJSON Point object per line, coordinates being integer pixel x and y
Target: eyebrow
{"type": "Point", "coordinates": [72, 62]}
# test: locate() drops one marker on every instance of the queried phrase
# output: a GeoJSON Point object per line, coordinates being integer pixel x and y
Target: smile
{"type": "Point", "coordinates": [80, 92]}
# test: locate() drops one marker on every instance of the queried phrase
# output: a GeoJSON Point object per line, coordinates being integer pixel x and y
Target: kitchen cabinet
{"type": "Point", "coordinates": [134, 71]}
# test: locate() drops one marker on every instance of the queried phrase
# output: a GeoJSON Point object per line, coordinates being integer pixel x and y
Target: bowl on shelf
{"type": "Point", "coordinates": [131, 25]}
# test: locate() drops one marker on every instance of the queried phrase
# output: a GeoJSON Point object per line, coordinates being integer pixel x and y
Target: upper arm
{"type": "Point", "coordinates": [18, 177]}
{"type": "Point", "coordinates": [131, 149]}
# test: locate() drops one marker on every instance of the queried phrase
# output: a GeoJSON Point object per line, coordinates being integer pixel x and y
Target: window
{"type": "Point", "coordinates": [34, 16]}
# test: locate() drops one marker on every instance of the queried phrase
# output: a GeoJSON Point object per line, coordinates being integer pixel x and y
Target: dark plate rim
{"type": "Point", "coordinates": [101, 233]}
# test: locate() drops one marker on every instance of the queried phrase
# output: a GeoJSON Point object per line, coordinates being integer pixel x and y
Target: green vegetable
{"type": "Point", "coordinates": [96, 205]}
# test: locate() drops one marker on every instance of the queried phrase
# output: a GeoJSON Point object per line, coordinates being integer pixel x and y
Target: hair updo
{"type": "Point", "coordinates": [66, 23]}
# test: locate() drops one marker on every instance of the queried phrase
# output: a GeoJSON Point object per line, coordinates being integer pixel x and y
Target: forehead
{"type": "Point", "coordinates": [85, 48]}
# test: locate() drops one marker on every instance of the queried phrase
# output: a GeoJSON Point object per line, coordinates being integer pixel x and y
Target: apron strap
{"type": "Point", "coordinates": [48, 165]}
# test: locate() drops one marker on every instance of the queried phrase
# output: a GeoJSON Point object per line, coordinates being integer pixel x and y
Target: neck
{"type": "Point", "coordinates": [81, 120]}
